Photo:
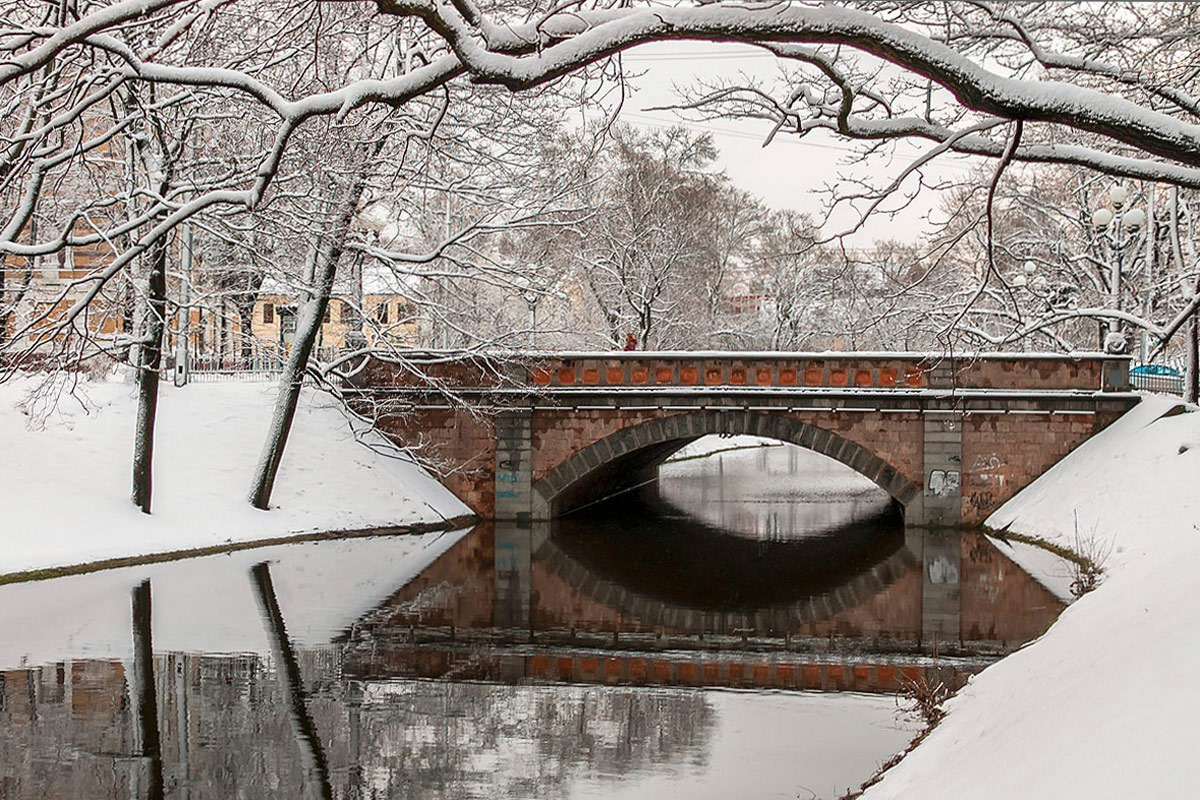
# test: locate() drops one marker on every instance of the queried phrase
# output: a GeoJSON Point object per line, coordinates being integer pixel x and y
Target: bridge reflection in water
{"type": "Point", "coordinates": [541, 639]}
{"type": "Point", "coordinates": [756, 592]}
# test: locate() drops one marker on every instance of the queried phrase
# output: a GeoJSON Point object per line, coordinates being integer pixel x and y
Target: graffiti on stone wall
{"type": "Point", "coordinates": [982, 501]}
{"type": "Point", "coordinates": [985, 462]}
{"type": "Point", "coordinates": [944, 482]}
{"type": "Point", "coordinates": [942, 570]}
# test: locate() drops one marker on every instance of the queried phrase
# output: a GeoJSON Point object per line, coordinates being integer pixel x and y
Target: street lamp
{"type": "Point", "coordinates": [1025, 276]}
{"type": "Point", "coordinates": [1113, 227]}
{"type": "Point", "coordinates": [531, 292]}
{"type": "Point", "coordinates": [373, 219]}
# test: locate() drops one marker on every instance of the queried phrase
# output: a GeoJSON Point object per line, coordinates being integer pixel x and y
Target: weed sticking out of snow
{"type": "Point", "coordinates": [917, 697]}
{"type": "Point", "coordinates": [1092, 550]}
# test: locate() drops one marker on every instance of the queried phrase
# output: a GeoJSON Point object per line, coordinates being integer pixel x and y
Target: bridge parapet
{"type": "Point", "coordinates": [1095, 372]}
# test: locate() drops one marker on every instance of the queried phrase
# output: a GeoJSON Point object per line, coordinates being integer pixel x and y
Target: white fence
{"type": "Point", "coordinates": [262, 364]}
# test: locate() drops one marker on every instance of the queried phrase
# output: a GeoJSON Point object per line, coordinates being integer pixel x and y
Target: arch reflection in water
{"type": "Point", "coordinates": [831, 592]}
{"type": "Point", "coordinates": [514, 603]}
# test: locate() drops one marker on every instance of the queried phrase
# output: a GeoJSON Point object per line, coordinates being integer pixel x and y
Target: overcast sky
{"type": "Point", "coordinates": [788, 172]}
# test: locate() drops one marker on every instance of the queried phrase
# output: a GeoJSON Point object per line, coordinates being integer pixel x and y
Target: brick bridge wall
{"type": "Point", "coordinates": [950, 439]}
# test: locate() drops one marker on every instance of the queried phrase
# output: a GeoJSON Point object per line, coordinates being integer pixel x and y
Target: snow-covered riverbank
{"type": "Point", "coordinates": [1103, 705]}
{"type": "Point", "coordinates": [64, 489]}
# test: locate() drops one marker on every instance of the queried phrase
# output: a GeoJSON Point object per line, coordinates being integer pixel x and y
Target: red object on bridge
{"type": "Point", "coordinates": [630, 342]}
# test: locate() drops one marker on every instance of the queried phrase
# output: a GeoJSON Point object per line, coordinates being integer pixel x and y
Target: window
{"type": "Point", "coordinates": [268, 313]}
{"type": "Point", "coordinates": [381, 313]}
{"type": "Point", "coordinates": [328, 312]}
{"type": "Point", "coordinates": [346, 314]}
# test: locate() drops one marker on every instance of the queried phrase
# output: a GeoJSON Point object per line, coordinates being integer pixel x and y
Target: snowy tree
{"type": "Point", "coordinates": [1103, 87]}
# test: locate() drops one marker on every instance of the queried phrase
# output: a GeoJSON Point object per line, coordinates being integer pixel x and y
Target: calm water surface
{"type": "Point", "coordinates": [739, 633]}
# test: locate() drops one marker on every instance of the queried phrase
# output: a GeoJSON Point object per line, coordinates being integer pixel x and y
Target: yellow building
{"type": "Point", "coordinates": [388, 317]}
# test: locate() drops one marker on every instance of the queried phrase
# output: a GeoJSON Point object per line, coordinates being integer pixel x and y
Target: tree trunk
{"type": "Point", "coordinates": [308, 328]}
{"type": "Point", "coordinates": [151, 358]}
{"type": "Point", "coordinates": [312, 754]}
{"type": "Point", "coordinates": [246, 323]}
{"type": "Point", "coordinates": [150, 744]}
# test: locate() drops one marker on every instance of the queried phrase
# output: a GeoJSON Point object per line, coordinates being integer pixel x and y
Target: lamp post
{"type": "Point", "coordinates": [1026, 276]}
{"type": "Point", "coordinates": [373, 219]}
{"type": "Point", "coordinates": [1114, 226]}
{"type": "Point", "coordinates": [184, 332]}
{"type": "Point", "coordinates": [531, 292]}
{"type": "Point", "coordinates": [531, 299]}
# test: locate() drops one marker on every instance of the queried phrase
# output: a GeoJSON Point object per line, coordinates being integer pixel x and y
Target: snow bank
{"type": "Point", "coordinates": [64, 488]}
{"type": "Point", "coordinates": [1103, 705]}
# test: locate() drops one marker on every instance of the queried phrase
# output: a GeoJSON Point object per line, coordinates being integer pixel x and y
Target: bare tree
{"type": "Point", "coordinates": [1101, 89]}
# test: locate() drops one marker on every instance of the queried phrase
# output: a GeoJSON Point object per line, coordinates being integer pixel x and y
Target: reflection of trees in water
{"type": "Point", "coordinates": [480, 740]}
{"type": "Point", "coordinates": [67, 730]}
{"type": "Point", "coordinates": [780, 491]}
{"type": "Point", "coordinates": [56, 724]}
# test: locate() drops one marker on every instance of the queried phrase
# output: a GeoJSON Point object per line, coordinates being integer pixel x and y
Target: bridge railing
{"type": "Point", "coordinates": [768, 370]}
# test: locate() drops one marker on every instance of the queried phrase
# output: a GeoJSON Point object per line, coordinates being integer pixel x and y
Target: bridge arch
{"type": "Point", "coordinates": [628, 455]}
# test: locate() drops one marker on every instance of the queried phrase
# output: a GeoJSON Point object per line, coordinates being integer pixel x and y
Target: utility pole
{"type": "Point", "coordinates": [1151, 253]}
{"type": "Point", "coordinates": [185, 307]}
{"type": "Point", "coordinates": [183, 334]}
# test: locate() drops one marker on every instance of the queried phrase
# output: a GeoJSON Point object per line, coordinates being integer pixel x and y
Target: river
{"type": "Point", "coordinates": [741, 629]}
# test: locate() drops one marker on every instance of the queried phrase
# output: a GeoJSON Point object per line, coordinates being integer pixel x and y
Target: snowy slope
{"type": "Point", "coordinates": [1103, 705]}
{"type": "Point", "coordinates": [64, 489]}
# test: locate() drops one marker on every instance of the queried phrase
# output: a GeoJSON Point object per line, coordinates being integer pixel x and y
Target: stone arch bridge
{"type": "Point", "coordinates": [535, 436]}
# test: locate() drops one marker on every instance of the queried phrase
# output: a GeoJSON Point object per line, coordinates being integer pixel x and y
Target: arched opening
{"type": "Point", "coordinates": [629, 459]}
{"type": "Point", "coordinates": [766, 489]}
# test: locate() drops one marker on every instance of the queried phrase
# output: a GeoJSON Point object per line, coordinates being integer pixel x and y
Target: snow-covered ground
{"type": "Point", "coordinates": [1105, 704]}
{"type": "Point", "coordinates": [65, 479]}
